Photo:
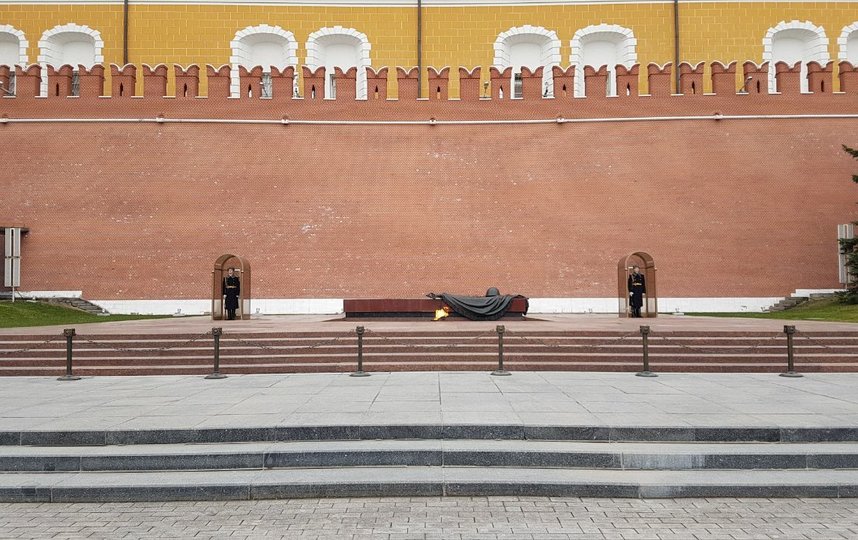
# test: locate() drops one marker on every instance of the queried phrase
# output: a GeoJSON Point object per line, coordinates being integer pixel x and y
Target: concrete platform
{"type": "Point", "coordinates": [608, 401]}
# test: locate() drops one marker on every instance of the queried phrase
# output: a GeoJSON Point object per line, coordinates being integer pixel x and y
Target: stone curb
{"type": "Point", "coordinates": [429, 488]}
{"type": "Point", "coordinates": [443, 432]}
{"type": "Point", "coordinates": [621, 459]}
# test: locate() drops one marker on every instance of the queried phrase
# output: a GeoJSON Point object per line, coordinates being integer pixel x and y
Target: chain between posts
{"type": "Point", "coordinates": [463, 342]}
{"type": "Point", "coordinates": [668, 341]}
{"type": "Point", "coordinates": [610, 341]}
{"type": "Point", "coordinates": [216, 333]}
{"type": "Point", "coordinates": [789, 330]}
{"type": "Point", "coordinates": [155, 349]}
{"type": "Point", "coordinates": [812, 340]}
{"type": "Point", "coordinates": [30, 348]}
{"type": "Point", "coordinates": [501, 331]}
{"type": "Point", "coordinates": [332, 341]}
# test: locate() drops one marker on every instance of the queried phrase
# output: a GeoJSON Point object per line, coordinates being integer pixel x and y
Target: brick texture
{"type": "Point", "coordinates": [726, 208]}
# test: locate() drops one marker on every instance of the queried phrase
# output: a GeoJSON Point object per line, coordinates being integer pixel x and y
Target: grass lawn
{"type": "Point", "coordinates": [824, 309]}
{"type": "Point", "coordinates": [24, 313]}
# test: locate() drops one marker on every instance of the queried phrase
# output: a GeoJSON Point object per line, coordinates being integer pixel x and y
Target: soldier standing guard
{"type": "Point", "coordinates": [637, 288]}
{"type": "Point", "coordinates": [231, 290]}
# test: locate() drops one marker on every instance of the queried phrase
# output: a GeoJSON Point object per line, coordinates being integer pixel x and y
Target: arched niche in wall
{"type": "Point", "coordinates": [343, 48]}
{"type": "Point", "coordinates": [264, 46]}
{"type": "Point", "coordinates": [531, 47]}
{"type": "Point", "coordinates": [602, 45]}
{"type": "Point", "coordinates": [70, 44]}
{"type": "Point", "coordinates": [13, 51]}
{"type": "Point", "coordinates": [848, 44]}
{"type": "Point", "coordinates": [793, 42]}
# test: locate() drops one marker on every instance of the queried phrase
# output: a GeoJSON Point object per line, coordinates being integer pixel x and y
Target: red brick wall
{"type": "Point", "coordinates": [727, 208]}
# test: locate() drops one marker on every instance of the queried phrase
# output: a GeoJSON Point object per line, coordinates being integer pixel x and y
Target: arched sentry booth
{"type": "Point", "coordinates": [242, 270]}
{"type": "Point", "coordinates": [647, 266]}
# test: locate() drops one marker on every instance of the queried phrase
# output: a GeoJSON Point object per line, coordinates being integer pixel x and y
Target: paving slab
{"type": "Point", "coordinates": [612, 400]}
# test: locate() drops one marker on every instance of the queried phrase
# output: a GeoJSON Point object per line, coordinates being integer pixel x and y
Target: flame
{"type": "Point", "coordinates": [441, 313]}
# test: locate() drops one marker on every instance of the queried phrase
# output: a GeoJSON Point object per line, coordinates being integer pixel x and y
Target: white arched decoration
{"type": "Point", "coordinates": [71, 44]}
{"type": "Point", "coordinates": [531, 47]}
{"type": "Point", "coordinates": [339, 47]}
{"type": "Point", "coordinates": [848, 43]}
{"type": "Point", "coordinates": [13, 52]}
{"type": "Point", "coordinates": [793, 42]}
{"type": "Point", "coordinates": [600, 45]}
{"type": "Point", "coordinates": [13, 46]}
{"type": "Point", "coordinates": [264, 46]}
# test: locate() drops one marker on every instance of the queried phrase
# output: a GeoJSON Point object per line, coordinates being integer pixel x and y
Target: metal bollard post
{"type": "Point", "coordinates": [645, 339]}
{"type": "Point", "coordinates": [789, 330]}
{"type": "Point", "coordinates": [69, 333]}
{"type": "Point", "coordinates": [360, 372]}
{"type": "Point", "coordinates": [500, 371]}
{"type": "Point", "coordinates": [216, 374]}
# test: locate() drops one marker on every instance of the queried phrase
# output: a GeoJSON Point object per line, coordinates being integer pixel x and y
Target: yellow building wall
{"type": "Point", "coordinates": [453, 36]}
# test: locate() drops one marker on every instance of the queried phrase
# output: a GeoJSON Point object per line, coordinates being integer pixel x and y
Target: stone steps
{"type": "Point", "coordinates": [789, 302]}
{"type": "Point", "coordinates": [79, 304]}
{"type": "Point", "coordinates": [354, 461]}
{"type": "Point", "coordinates": [797, 299]}
{"type": "Point", "coordinates": [186, 354]}
{"type": "Point", "coordinates": [446, 432]}
{"type": "Point", "coordinates": [432, 453]}
{"type": "Point", "coordinates": [420, 482]}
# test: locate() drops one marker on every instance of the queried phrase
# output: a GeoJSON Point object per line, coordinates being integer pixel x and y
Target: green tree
{"type": "Point", "coordinates": [850, 248]}
{"type": "Point", "coordinates": [854, 153]}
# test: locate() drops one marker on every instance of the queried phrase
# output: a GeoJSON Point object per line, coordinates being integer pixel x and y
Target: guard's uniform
{"type": "Point", "coordinates": [637, 288]}
{"type": "Point", "coordinates": [231, 289]}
